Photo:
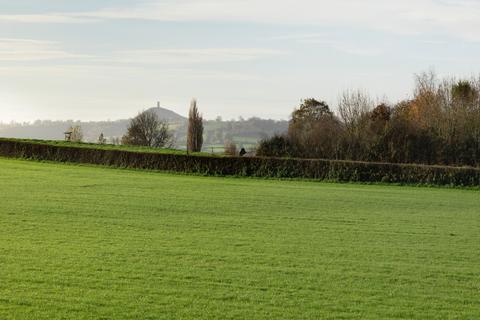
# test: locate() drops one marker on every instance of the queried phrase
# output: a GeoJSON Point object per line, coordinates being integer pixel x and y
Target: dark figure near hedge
{"type": "Point", "coordinates": [146, 129]}
{"type": "Point", "coordinates": [243, 152]}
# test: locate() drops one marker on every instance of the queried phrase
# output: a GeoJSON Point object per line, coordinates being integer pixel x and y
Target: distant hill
{"type": "Point", "coordinates": [53, 130]}
{"type": "Point", "coordinates": [242, 132]}
{"type": "Point", "coordinates": [168, 115]}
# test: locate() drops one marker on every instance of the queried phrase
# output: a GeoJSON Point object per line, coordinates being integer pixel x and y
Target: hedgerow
{"type": "Point", "coordinates": [342, 171]}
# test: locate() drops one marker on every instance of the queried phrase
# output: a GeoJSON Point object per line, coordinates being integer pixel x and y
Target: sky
{"type": "Point", "coordinates": [109, 59]}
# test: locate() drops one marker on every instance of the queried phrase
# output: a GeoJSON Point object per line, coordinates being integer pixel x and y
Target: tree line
{"type": "Point", "coordinates": [439, 125]}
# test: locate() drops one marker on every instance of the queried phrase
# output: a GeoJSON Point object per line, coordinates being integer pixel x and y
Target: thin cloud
{"type": "Point", "coordinates": [457, 18]}
{"type": "Point", "coordinates": [46, 18]}
{"type": "Point", "coordinates": [354, 48]}
{"type": "Point", "coordinates": [193, 55]}
{"type": "Point", "coordinates": [13, 50]}
{"type": "Point", "coordinates": [17, 50]}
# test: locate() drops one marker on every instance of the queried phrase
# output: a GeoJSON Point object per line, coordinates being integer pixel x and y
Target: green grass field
{"type": "Point", "coordinates": [80, 242]}
{"type": "Point", "coordinates": [87, 145]}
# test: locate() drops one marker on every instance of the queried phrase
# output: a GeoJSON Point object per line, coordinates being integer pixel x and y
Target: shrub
{"type": "Point", "coordinates": [276, 146]}
{"type": "Point", "coordinates": [230, 149]}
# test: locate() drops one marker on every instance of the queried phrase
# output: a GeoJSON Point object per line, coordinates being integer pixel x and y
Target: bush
{"type": "Point", "coordinates": [276, 146]}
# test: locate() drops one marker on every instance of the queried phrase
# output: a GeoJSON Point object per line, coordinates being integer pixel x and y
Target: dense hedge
{"type": "Point", "coordinates": [254, 167]}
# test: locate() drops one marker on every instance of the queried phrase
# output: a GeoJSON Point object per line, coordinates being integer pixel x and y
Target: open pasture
{"type": "Point", "coordinates": [83, 242]}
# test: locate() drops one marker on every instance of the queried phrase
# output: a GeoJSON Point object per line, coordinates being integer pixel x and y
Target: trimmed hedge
{"type": "Point", "coordinates": [342, 171]}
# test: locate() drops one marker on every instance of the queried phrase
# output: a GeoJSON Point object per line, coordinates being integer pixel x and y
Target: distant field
{"type": "Point", "coordinates": [108, 146]}
{"type": "Point", "coordinates": [80, 242]}
{"type": "Point", "coordinates": [208, 150]}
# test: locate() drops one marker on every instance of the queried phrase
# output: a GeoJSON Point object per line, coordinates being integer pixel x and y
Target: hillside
{"type": "Point", "coordinates": [167, 115]}
{"type": "Point", "coordinates": [53, 130]}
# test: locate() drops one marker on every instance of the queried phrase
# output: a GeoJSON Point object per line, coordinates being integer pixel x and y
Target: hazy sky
{"type": "Point", "coordinates": [107, 59]}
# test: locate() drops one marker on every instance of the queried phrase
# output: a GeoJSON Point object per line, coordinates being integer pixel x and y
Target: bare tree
{"type": "Point", "coordinates": [146, 129]}
{"type": "Point", "coordinates": [76, 134]}
{"type": "Point", "coordinates": [230, 148]}
{"type": "Point", "coordinates": [195, 129]}
{"type": "Point", "coordinates": [432, 99]}
{"type": "Point", "coordinates": [115, 141]}
{"type": "Point", "coordinates": [353, 106]}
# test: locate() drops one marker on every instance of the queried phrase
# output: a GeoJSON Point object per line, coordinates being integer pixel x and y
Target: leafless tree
{"type": "Point", "coordinates": [146, 129]}
{"type": "Point", "coordinates": [230, 148]}
{"type": "Point", "coordinates": [115, 141]}
{"type": "Point", "coordinates": [76, 134]}
{"type": "Point", "coordinates": [353, 106]}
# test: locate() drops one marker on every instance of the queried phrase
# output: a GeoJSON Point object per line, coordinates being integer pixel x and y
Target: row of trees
{"type": "Point", "coordinates": [439, 125]}
{"type": "Point", "coordinates": [147, 129]}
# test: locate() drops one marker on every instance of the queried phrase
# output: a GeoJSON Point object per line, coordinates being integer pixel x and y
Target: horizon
{"type": "Point", "coordinates": [94, 61]}
{"type": "Point", "coordinates": [13, 122]}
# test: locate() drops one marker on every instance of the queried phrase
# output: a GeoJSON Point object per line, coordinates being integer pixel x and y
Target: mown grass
{"type": "Point", "coordinates": [82, 242]}
{"type": "Point", "coordinates": [111, 147]}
